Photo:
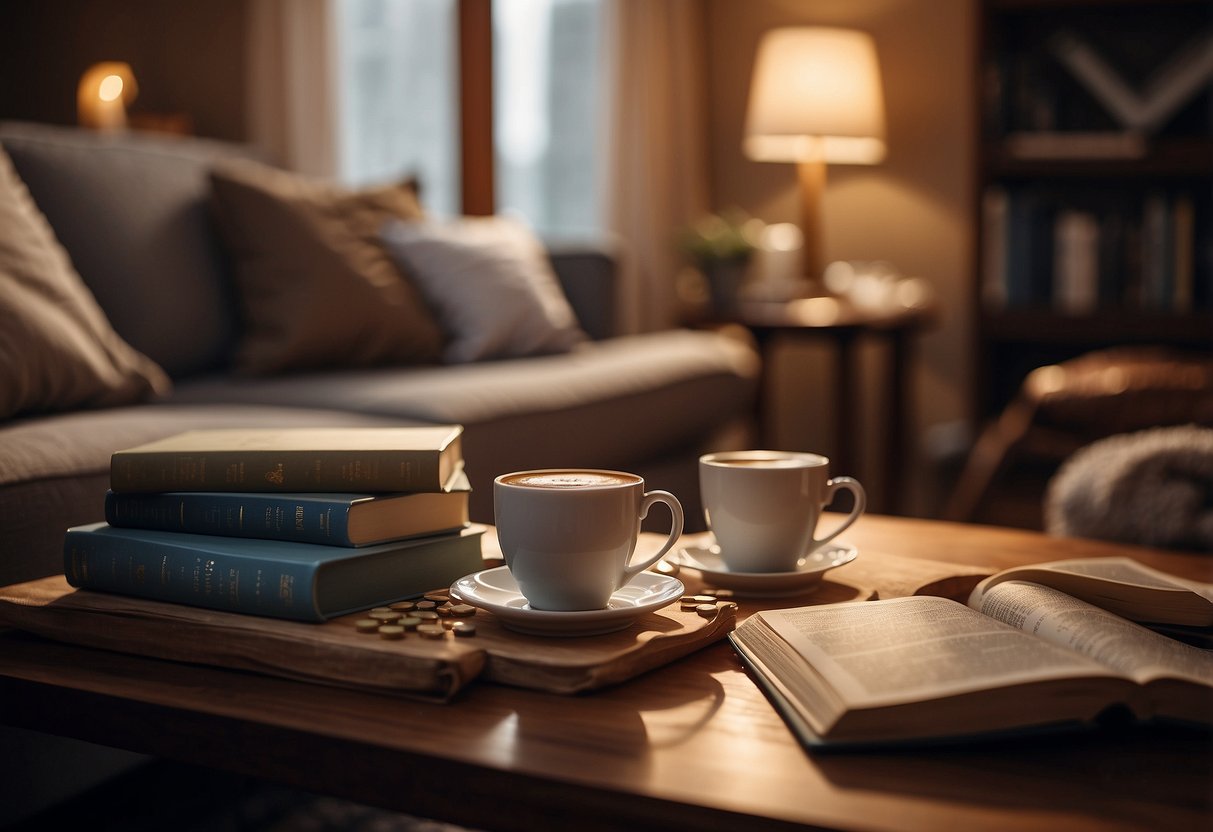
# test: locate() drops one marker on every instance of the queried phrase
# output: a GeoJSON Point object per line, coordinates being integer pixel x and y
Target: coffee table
{"type": "Point", "coordinates": [693, 745]}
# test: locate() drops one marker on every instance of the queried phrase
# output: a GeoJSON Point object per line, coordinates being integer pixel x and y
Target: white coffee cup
{"type": "Point", "coordinates": [763, 506]}
{"type": "Point", "coordinates": [568, 535]}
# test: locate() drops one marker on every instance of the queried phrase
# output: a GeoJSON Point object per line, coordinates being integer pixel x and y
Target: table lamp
{"type": "Point", "coordinates": [104, 92]}
{"type": "Point", "coordinates": [815, 98]}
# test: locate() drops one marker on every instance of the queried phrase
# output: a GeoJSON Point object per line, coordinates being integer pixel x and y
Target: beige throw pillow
{"type": "Point", "coordinates": [57, 349]}
{"type": "Point", "coordinates": [316, 285]}
{"type": "Point", "coordinates": [491, 285]}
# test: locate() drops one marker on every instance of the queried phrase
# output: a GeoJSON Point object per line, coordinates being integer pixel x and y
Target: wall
{"type": "Point", "coordinates": [186, 57]}
{"type": "Point", "coordinates": [914, 209]}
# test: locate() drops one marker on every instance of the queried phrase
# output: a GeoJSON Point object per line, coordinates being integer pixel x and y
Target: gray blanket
{"type": "Point", "coordinates": [1153, 487]}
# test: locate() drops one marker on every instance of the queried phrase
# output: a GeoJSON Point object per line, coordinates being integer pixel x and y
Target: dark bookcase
{"type": "Point", "coordinates": [1094, 203]}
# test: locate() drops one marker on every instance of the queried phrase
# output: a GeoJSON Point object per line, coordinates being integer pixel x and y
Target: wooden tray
{"type": "Point", "coordinates": [335, 653]}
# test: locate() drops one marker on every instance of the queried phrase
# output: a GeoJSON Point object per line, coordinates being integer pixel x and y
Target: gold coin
{"type": "Point", "coordinates": [706, 610]}
{"type": "Point", "coordinates": [381, 609]}
{"type": "Point", "coordinates": [386, 615]}
{"type": "Point", "coordinates": [367, 625]}
{"type": "Point", "coordinates": [705, 599]}
{"type": "Point", "coordinates": [391, 631]}
{"type": "Point", "coordinates": [444, 610]}
{"type": "Point", "coordinates": [437, 597]}
{"type": "Point", "coordinates": [463, 629]}
{"type": "Point", "coordinates": [463, 610]}
{"type": "Point", "coordinates": [426, 605]}
{"type": "Point", "coordinates": [404, 606]}
{"type": "Point", "coordinates": [427, 615]}
{"type": "Point", "coordinates": [431, 631]}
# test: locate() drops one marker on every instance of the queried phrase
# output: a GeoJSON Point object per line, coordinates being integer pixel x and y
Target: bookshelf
{"type": "Point", "coordinates": [1094, 183]}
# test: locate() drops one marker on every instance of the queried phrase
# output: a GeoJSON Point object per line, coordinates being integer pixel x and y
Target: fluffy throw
{"type": "Point", "coordinates": [1152, 487]}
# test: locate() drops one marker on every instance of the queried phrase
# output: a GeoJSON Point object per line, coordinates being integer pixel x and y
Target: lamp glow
{"type": "Point", "coordinates": [104, 92]}
{"type": "Point", "coordinates": [815, 98]}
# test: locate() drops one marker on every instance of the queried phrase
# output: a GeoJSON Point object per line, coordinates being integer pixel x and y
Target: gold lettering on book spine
{"type": "Point", "coordinates": [276, 475]}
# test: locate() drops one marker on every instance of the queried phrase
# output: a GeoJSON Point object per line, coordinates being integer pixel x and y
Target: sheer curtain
{"type": "Point", "coordinates": [657, 167]}
{"type": "Point", "coordinates": [292, 86]}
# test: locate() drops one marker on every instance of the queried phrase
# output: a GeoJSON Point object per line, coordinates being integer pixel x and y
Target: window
{"type": "Point", "coordinates": [398, 71]}
{"type": "Point", "coordinates": [547, 103]}
{"type": "Point", "coordinates": [398, 96]}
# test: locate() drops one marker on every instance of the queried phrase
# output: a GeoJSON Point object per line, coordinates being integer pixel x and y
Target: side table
{"type": "Point", "coordinates": [837, 320]}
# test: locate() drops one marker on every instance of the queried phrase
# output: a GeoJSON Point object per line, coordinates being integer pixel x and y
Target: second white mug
{"type": "Point", "coordinates": [763, 506]}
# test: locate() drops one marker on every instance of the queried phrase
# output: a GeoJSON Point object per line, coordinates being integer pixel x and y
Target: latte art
{"type": "Point", "coordinates": [569, 479]}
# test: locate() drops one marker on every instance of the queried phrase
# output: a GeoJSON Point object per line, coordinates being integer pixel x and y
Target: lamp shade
{"type": "Point", "coordinates": [815, 95]}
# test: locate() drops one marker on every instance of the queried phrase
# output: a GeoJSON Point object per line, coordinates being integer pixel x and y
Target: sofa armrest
{"type": "Point", "coordinates": [589, 275]}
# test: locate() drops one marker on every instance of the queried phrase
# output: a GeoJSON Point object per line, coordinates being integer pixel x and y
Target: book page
{"type": "Point", "coordinates": [1112, 641]}
{"type": "Point", "coordinates": [1120, 585]}
{"type": "Point", "coordinates": [904, 649]}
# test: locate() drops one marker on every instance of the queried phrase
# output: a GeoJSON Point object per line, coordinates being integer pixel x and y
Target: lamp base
{"type": "Point", "coordinates": [812, 177]}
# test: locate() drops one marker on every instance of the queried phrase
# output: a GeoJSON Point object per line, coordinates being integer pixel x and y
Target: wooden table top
{"type": "Point", "coordinates": [693, 745]}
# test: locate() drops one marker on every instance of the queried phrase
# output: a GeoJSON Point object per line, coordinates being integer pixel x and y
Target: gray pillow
{"type": "Point", "coordinates": [489, 282]}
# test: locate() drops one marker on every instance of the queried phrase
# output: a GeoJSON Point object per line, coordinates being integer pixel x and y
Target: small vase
{"type": "Point", "coordinates": [724, 279]}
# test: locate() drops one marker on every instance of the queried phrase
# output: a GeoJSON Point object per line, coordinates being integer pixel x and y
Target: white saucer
{"type": "Point", "coordinates": [496, 591]}
{"type": "Point", "coordinates": [707, 562]}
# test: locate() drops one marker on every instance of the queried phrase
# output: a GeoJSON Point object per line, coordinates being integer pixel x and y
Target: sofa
{"type": "Point", "coordinates": [135, 214]}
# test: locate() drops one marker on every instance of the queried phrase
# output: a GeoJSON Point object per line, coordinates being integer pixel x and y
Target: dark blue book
{"type": "Point", "coordinates": [299, 581]}
{"type": "Point", "coordinates": [326, 519]}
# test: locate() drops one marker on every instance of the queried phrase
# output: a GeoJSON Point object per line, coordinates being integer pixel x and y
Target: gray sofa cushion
{"type": "Point", "coordinates": [131, 210]}
{"type": "Point", "coordinates": [610, 404]}
{"type": "Point", "coordinates": [54, 471]}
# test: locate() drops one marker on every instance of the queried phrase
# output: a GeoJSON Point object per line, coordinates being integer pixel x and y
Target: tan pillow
{"type": "Point", "coordinates": [57, 349]}
{"type": "Point", "coordinates": [317, 287]}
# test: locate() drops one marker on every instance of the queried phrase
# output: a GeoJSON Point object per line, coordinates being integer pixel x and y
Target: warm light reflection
{"type": "Point", "coordinates": [815, 311]}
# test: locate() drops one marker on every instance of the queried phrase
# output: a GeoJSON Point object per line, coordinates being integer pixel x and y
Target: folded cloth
{"type": "Point", "coordinates": [1152, 487]}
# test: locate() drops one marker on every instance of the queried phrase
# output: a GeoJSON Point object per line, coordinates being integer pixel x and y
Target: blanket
{"type": "Point", "coordinates": [1151, 487]}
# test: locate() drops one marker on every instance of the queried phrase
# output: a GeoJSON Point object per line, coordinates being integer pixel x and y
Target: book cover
{"type": "Point", "coordinates": [373, 460]}
{"type": "Point", "coordinates": [299, 581]}
{"type": "Point", "coordinates": [326, 519]}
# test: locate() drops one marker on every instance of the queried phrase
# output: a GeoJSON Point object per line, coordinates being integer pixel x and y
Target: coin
{"type": "Point", "coordinates": [431, 631]}
{"type": "Point", "coordinates": [427, 615]}
{"type": "Point", "coordinates": [426, 605]}
{"type": "Point", "coordinates": [436, 597]}
{"type": "Point", "coordinates": [367, 625]}
{"type": "Point", "coordinates": [706, 610]}
{"type": "Point", "coordinates": [463, 610]}
{"type": "Point", "coordinates": [404, 606]}
{"type": "Point", "coordinates": [409, 622]}
{"type": "Point", "coordinates": [385, 615]}
{"type": "Point", "coordinates": [391, 631]}
{"type": "Point", "coordinates": [463, 629]}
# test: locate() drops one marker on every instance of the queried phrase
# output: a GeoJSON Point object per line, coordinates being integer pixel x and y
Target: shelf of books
{"type": "Point", "coordinates": [1094, 210]}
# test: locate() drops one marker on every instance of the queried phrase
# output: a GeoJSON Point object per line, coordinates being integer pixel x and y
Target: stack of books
{"type": "Point", "coordinates": [303, 524]}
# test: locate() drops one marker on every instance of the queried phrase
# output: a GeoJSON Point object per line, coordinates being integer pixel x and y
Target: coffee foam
{"type": "Point", "coordinates": [764, 462]}
{"type": "Point", "coordinates": [569, 479]}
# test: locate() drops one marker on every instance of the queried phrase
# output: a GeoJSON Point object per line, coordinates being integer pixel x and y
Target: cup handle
{"type": "Point", "coordinates": [861, 503]}
{"type": "Point", "coordinates": [675, 529]}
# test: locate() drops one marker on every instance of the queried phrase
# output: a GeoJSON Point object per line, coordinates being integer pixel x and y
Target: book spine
{"type": "Point", "coordinates": [266, 516]}
{"type": "Point", "coordinates": [180, 574]}
{"type": "Point", "coordinates": [268, 471]}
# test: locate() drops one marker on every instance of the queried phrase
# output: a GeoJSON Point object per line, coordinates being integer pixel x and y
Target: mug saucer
{"type": "Point", "coordinates": [496, 591]}
{"type": "Point", "coordinates": [706, 561]}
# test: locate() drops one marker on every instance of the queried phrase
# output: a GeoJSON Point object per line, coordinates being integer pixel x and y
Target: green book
{"type": "Point", "coordinates": [354, 460]}
{"type": "Point", "coordinates": [300, 581]}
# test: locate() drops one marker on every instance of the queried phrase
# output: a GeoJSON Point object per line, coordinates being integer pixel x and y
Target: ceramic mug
{"type": "Point", "coordinates": [763, 506]}
{"type": "Point", "coordinates": [568, 535]}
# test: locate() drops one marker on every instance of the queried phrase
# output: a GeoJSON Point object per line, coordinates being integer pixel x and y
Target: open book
{"type": "Point", "coordinates": [1022, 655]}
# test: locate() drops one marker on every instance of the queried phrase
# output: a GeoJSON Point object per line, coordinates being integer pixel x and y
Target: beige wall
{"type": "Point", "coordinates": [912, 210]}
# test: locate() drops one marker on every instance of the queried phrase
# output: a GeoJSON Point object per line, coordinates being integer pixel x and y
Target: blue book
{"type": "Point", "coordinates": [299, 581]}
{"type": "Point", "coordinates": [327, 519]}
